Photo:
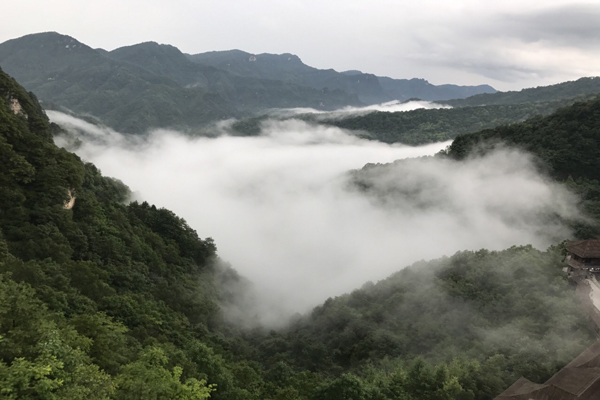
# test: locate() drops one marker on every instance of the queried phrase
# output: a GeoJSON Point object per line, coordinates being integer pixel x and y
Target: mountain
{"type": "Point", "coordinates": [149, 85]}
{"type": "Point", "coordinates": [568, 141]}
{"type": "Point", "coordinates": [469, 115]}
{"type": "Point", "coordinates": [369, 88]}
{"type": "Point", "coordinates": [477, 316]}
{"type": "Point", "coordinates": [104, 298]}
{"type": "Point", "coordinates": [404, 89]}
{"type": "Point", "coordinates": [481, 318]}
{"type": "Point", "coordinates": [423, 126]}
{"type": "Point", "coordinates": [289, 68]}
{"type": "Point", "coordinates": [571, 89]}
{"type": "Point", "coordinates": [146, 86]}
{"type": "Point", "coordinates": [90, 286]}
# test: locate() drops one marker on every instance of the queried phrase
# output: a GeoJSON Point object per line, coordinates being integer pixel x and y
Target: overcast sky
{"type": "Point", "coordinates": [509, 44]}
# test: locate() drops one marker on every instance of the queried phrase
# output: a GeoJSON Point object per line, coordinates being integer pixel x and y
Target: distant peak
{"type": "Point", "coordinates": [51, 35]}
{"type": "Point", "coordinates": [148, 43]}
{"type": "Point", "coordinates": [50, 40]}
{"type": "Point", "coordinates": [149, 47]}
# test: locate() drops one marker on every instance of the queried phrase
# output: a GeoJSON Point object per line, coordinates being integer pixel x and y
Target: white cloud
{"type": "Point", "coordinates": [281, 212]}
{"type": "Point", "coordinates": [390, 106]}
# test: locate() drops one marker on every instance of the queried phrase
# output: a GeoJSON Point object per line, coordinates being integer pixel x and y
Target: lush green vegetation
{"type": "Point", "coordinates": [437, 125]}
{"type": "Point", "coordinates": [567, 144]}
{"type": "Point", "coordinates": [470, 115]}
{"type": "Point", "coordinates": [482, 318]}
{"type": "Point", "coordinates": [97, 301]}
{"type": "Point", "coordinates": [148, 85]}
{"type": "Point", "coordinates": [580, 87]}
{"type": "Point", "coordinates": [109, 300]}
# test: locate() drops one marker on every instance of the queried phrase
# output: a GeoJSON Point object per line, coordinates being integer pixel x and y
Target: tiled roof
{"type": "Point", "coordinates": [585, 248]}
{"type": "Point", "coordinates": [519, 388]}
{"type": "Point", "coordinates": [577, 380]}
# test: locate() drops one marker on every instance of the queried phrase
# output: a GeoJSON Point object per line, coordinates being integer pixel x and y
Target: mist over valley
{"type": "Point", "coordinates": [284, 211]}
{"type": "Point", "coordinates": [300, 201]}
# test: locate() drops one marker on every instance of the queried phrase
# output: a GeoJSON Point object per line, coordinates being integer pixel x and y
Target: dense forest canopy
{"type": "Point", "coordinates": [105, 299]}
{"type": "Point", "coordinates": [136, 88]}
{"type": "Point", "coordinates": [469, 115]}
{"type": "Point", "coordinates": [147, 85]}
{"type": "Point", "coordinates": [566, 144]}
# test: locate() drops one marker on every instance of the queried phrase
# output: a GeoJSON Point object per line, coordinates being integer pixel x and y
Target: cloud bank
{"type": "Point", "coordinates": [282, 211]}
{"type": "Point", "coordinates": [390, 106]}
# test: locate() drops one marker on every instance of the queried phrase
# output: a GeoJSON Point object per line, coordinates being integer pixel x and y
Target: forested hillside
{"type": "Point", "coordinates": [100, 299]}
{"type": "Point", "coordinates": [582, 86]}
{"type": "Point", "coordinates": [482, 319]}
{"type": "Point", "coordinates": [369, 88]}
{"type": "Point", "coordinates": [437, 125]}
{"type": "Point", "coordinates": [424, 126]}
{"type": "Point", "coordinates": [567, 144]}
{"type": "Point", "coordinates": [146, 86]}
{"type": "Point", "coordinates": [404, 89]}
{"type": "Point", "coordinates": [469, 115]}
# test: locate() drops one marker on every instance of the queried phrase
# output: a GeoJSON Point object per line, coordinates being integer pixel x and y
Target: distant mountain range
{"type": "Point", "coordinates": [369, 88]}
{"type": "Point", "coordinates": [149, 85]}
{"type": "Point", "coordinates": [469, 115]}
{"type": "Point", "coordinates": [578, 89]}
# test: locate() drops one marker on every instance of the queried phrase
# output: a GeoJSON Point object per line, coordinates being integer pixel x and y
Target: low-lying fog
{"type": "Point", "coordinates": [390, 106]}
{"type": "Point", "coordinates": [280, 211]}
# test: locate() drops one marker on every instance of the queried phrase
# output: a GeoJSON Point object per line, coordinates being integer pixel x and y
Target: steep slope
{"type": "Point", "coordinates": [140, 87]}
{"type": "Point", "coordinates": [112, 301]}
{"type": "Point", "coordinates": [101, 297]}
{"type": "Point", "coordinates": [484, 318]}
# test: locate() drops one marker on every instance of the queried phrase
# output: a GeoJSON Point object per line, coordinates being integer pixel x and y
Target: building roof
{"type": "Point", "coordinates": [585, 248]}
{"type": "Point", "coordinates": [520, 388]}
{"type": "Point", "coordinates": [575, 380]}
{"type": "Point", "coordinates": [589, 358]}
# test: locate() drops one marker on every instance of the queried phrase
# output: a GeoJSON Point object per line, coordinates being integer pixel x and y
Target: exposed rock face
{"type": "Point", "coordinates": [16, 108]}
{"type": "Point", "coordinates": [69, 204]}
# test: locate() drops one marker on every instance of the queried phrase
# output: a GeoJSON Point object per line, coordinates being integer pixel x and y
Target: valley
{"type": "Point", "coordinates": [232, 225]}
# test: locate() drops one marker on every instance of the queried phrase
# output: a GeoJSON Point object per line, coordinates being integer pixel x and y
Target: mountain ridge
{"type": "Point", "coordinates": [126, 95]}
{"type": "Point", "coordinates": [374, 89]}
{"type": "Point", "coordinates": [105, 298]}
{"type": "Point", "coordinates": [150, 85]}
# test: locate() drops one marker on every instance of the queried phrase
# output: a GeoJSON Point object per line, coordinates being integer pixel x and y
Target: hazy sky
{"type": "Point", "coordinates": [509, 44]}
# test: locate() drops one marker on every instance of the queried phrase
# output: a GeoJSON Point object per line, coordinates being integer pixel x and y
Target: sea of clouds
{"type": "Point", "coordinates": [282, 210]}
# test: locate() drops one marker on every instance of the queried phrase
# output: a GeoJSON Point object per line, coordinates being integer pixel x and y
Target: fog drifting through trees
{"type": "Point", "coordinates": [281, 210]}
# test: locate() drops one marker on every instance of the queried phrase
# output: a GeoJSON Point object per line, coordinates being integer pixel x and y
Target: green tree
{"type": "Point", "coordinates": [149, 379]}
